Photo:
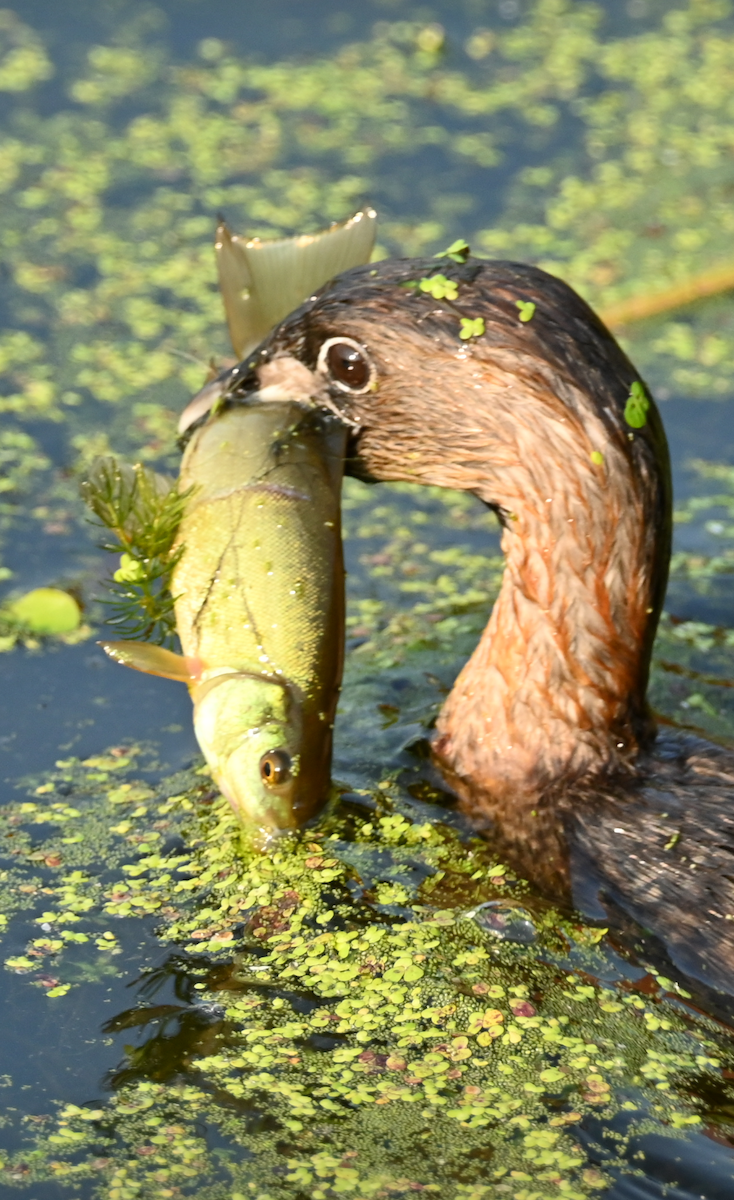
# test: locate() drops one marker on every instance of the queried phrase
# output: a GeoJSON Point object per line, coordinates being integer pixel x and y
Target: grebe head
{"type": "Point", "coordinates": [537, 411]}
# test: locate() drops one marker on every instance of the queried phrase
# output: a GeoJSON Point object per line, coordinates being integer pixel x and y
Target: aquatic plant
{"type": "Point", "coordinates": [379, 1007]}
{"type": "Point", "coordinates": [602, 155]}
{"type": "Point", "coordinates": [143, 511]}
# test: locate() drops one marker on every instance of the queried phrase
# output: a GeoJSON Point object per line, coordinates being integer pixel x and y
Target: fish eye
{"type": "Point", "coordinates": [275, 767]}
{"type": "Point", "coordinates": [346, 363]}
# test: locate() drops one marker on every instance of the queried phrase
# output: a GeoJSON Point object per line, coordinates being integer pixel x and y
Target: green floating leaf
{"type": "Point", "coordinates": [46, 611]}
{"type": "Point", "coordinates": [439, 287]}
{"type": "Point", "coordinates": [635, 410]}
{"type": "Point", "coordinates": [459, 251]}
{"type": "Point", "coordinates": [597, 458]}
{"type": "Point", "coordinates": [527, 309]}
{"type": "Point", "coordinates": [471, 327]}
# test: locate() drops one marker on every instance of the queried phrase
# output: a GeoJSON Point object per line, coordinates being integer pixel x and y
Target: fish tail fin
{"type": "Point", "coordinates": [263, 281]}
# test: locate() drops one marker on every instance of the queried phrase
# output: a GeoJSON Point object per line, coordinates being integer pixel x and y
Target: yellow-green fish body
{"type": "Point", "coordinates": [259, 585]}
{"type": "Point", "coordinates": [260, 604]}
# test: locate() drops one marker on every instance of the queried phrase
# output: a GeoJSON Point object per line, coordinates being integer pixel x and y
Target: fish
{"type": "Point", "coordinates": [259, 602]}
{"type": "Point", "coordinates": [259, 580]}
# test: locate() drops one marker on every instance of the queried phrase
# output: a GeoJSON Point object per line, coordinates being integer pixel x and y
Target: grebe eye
{"type": "Point", "coordinates": [275, 768]}
{"type": "Point", "coordinates": [346, 363]}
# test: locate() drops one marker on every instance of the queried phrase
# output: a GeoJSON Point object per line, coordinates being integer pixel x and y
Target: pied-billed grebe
{"type": "Point", "coordinates": [498, 379]}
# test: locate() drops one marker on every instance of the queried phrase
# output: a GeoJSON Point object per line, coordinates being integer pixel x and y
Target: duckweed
{"type": "Point", "coordinates": [471, 327]}
{"type": "Point", "coordinates": [439, 287]}
{"type": "Point", "coordinates": [45, 610]}
{"type": "Point", "coordinates": [381, 1007]}
{"type": "Point", "coordinates": [330, 1013]}
{"type": "Point", "coordinates": [458, 251]}
{"type": "Point", "coordinates": [527, 310]}
{"type": "Point", "coordinates": [635, 410]}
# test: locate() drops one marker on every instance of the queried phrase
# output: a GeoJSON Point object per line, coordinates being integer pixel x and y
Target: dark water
{"type": "Point", "coordinates": [64, 701]}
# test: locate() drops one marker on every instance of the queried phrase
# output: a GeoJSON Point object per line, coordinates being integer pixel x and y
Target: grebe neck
{"type": "Point", "coordinates": [556, 687]}
{"type": "Point", "coordinates": [530, 416]}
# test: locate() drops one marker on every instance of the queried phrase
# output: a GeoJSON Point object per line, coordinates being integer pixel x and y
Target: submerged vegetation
{"type": "Point", "coordinates": [142, 510]}
{"type": "Point", "coordinates": [381, 1008]}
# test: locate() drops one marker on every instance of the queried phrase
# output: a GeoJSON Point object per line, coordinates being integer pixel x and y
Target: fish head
{"type": "Point", "coordinates": [260, 745]}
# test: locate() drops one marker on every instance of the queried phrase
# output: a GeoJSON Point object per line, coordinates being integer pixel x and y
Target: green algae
{"type": "Point", "coordinates": [346, 1050]}
{"type": "Point", "coordinates": [111, 201]}
{"type": "Point", "coordinates": [527, 310]}
{"type": "Point", "coordinates": [439, 287]}
{"type": "Point", "coordinates": [458, 251]}
{"type": "Point", "coordinates": [651, 136]}
{"type": "Point", "coordinates": [45, 611]}
{"type": "Point", "coordinates": [23, 59]}
{"type": "Point", "coordinates": [635, 410]}
{"type": "Point", "coordinates": [471, 327]}
{"type": "Point", "coordinates": [702, 568]}
{"type": "Point", "coordinates": [39, 614]}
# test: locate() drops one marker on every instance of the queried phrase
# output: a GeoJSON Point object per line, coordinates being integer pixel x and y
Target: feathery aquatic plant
{"type": "Point", "coordinates": [142, 510]}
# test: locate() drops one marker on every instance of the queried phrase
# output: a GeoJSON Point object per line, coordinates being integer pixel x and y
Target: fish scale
{"type": "Point", "coordinates": [260, 604]}
{"type": "Point", "coordinates": [255, 597]}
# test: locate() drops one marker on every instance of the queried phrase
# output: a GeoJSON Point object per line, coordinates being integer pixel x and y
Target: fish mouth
{"type": "Point", "coordinates": [270, 813]}
{"type": "Point", "coordinates": [213, 392]}
{"type": "Point", "coordinates": [243, 718]}
{"type": "Point", "coordinates": [262, 380]}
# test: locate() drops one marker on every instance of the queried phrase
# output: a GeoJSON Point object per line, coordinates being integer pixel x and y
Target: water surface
{"type": "Point", "coordinates": [594, 145]}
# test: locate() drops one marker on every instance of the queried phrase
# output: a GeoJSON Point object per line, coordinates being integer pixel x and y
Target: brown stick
{"type": "Point", "coordinates": [637, 308]}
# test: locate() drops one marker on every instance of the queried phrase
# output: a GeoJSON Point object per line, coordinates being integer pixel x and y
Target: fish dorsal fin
{"type": "Point", "coordinates": [153, 660]}
{"type": "Point", "coordinates": [263, 281]}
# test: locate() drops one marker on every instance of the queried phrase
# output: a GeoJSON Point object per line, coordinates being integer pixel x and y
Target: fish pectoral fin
{"type": "Point", "coordinates": [152, 660]}
{"type": "Point", "coordinates": [263, 281]}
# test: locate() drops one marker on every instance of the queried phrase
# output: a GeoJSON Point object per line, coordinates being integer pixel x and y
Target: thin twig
{"type": "Point", "coordinates": [698, 287]}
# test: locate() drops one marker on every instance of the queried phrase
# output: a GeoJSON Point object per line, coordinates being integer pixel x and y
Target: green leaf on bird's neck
{"type": "Point", "coordinates": [458, 251]}
{"type": "Point", "coordinates": [635, 410]}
